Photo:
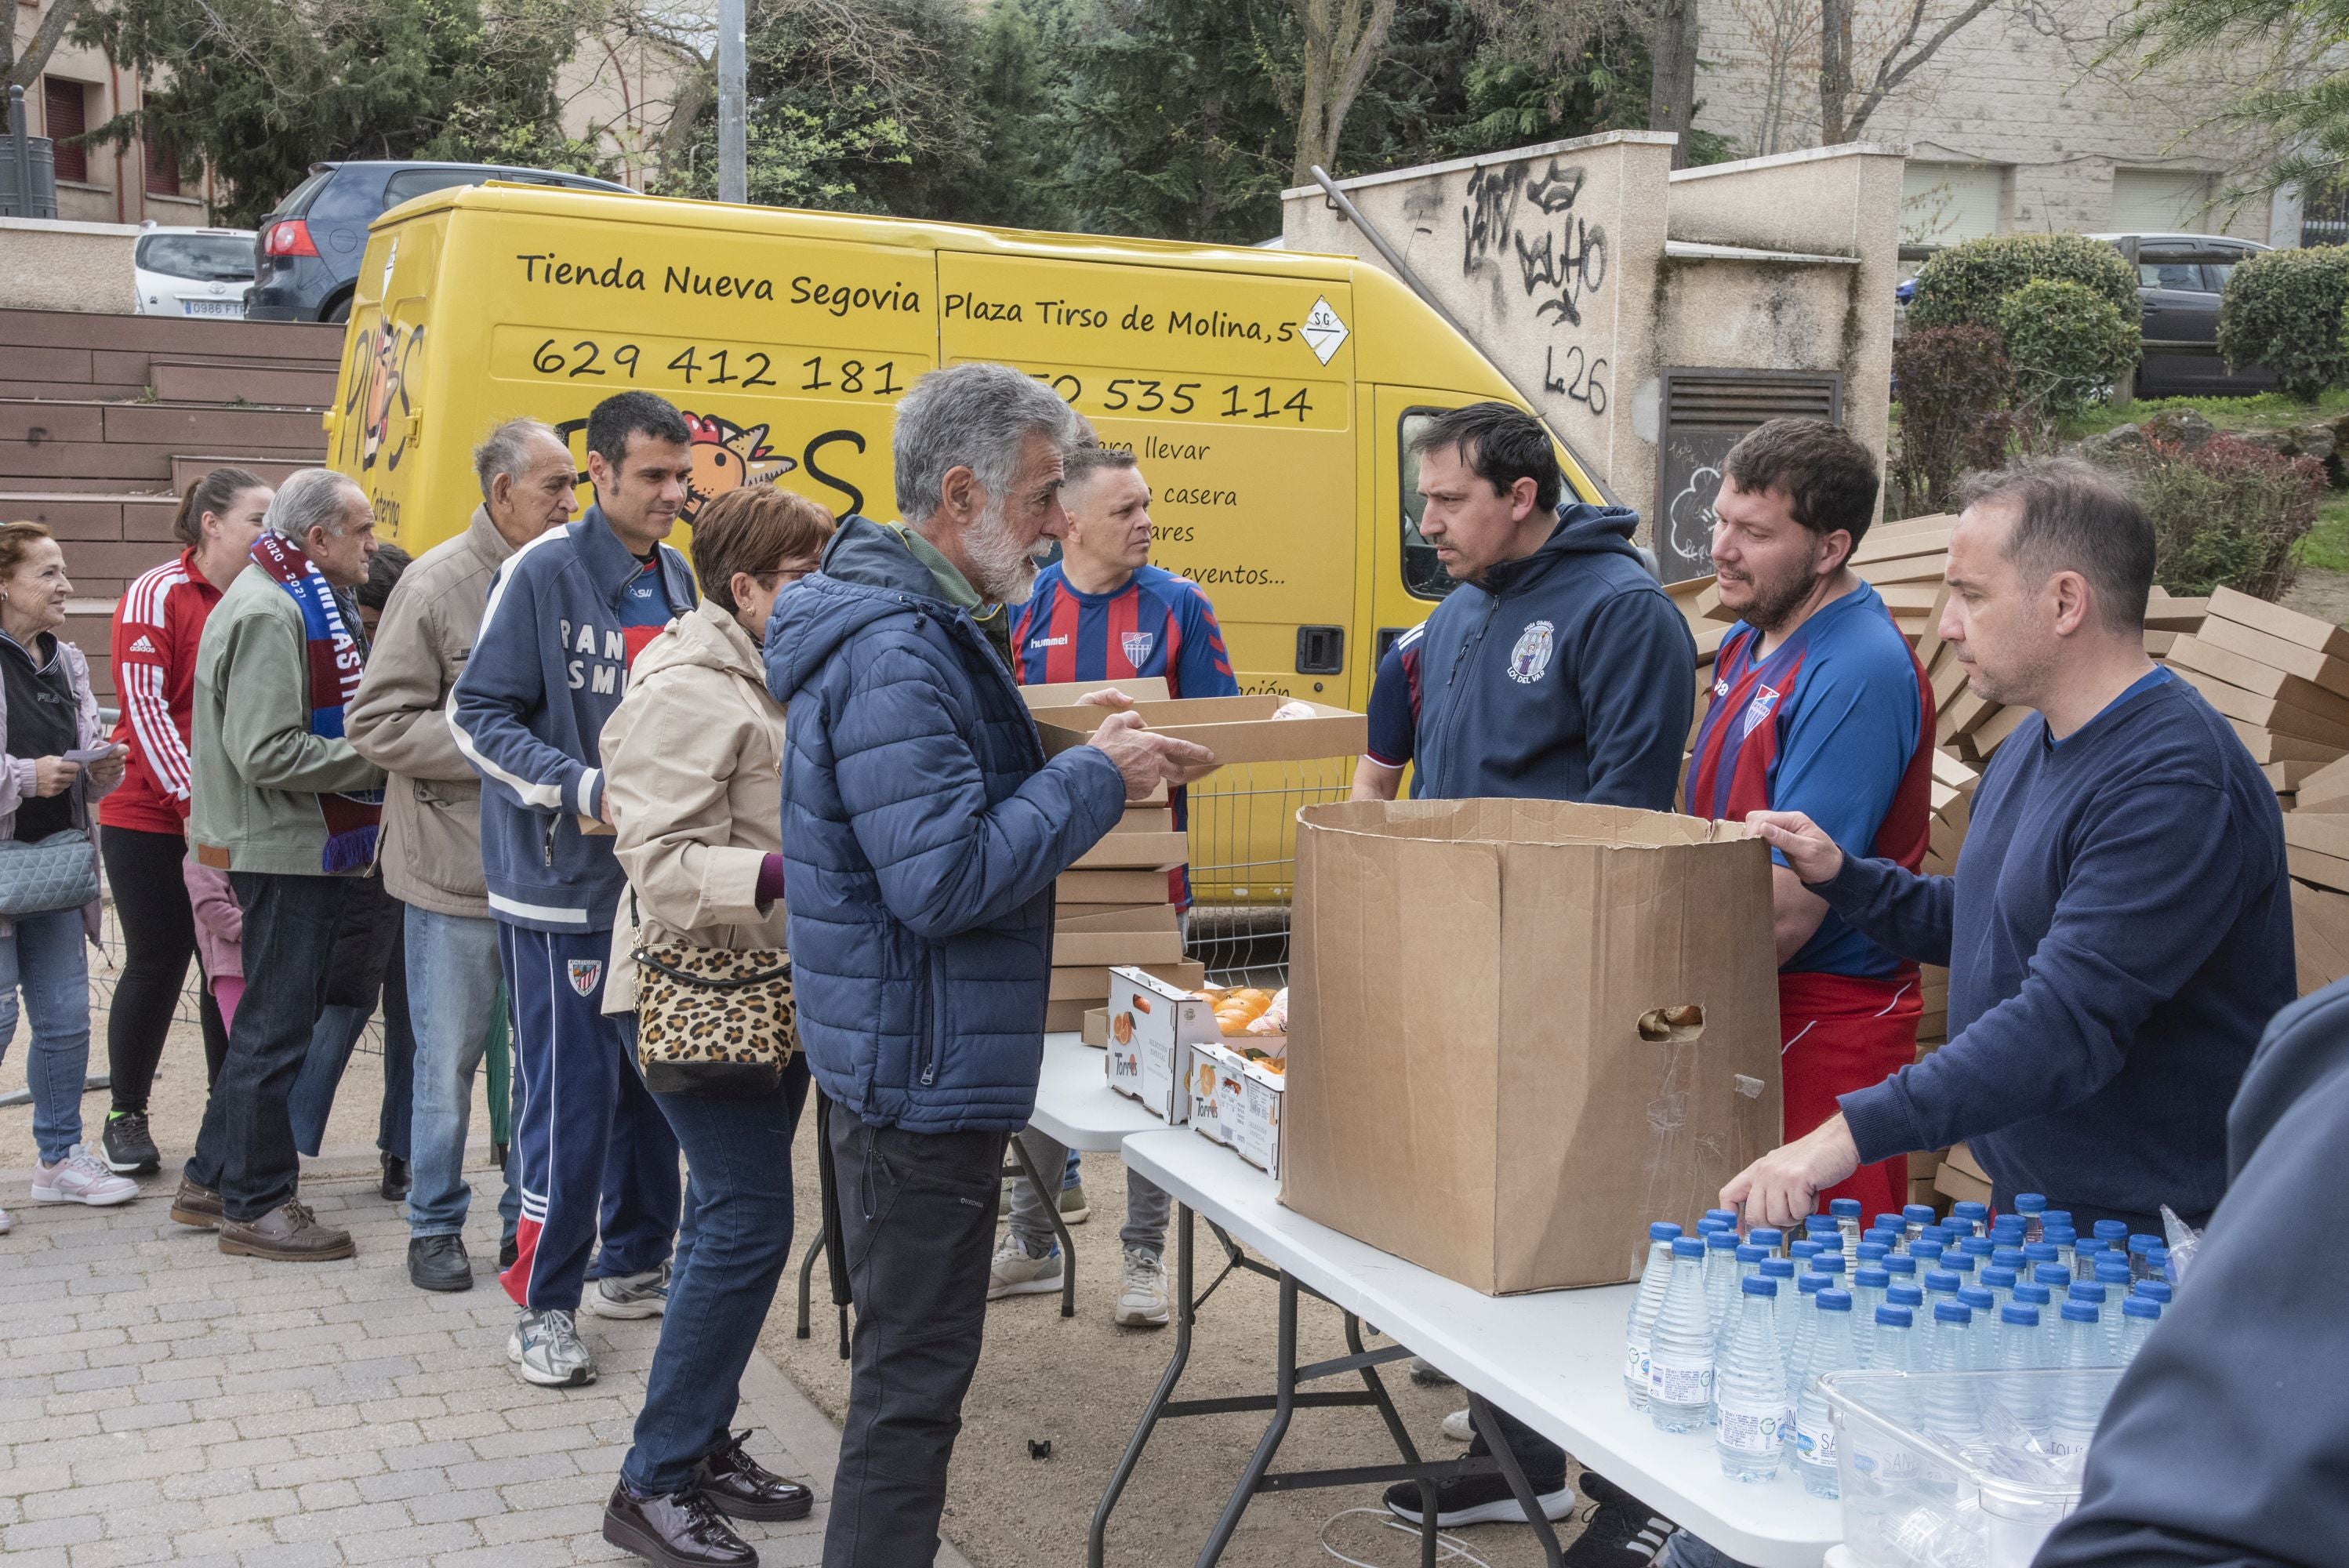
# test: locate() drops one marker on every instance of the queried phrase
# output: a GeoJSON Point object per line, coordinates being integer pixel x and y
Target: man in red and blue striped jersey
{"type": "Point", "coordinates": [1818, 706]}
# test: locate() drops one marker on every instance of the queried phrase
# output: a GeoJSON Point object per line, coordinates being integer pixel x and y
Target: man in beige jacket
{"type": "Point", "coordinates": [432, 851]}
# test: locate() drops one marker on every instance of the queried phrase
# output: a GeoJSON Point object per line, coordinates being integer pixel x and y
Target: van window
{"type": "Point", "coordinates": [1423, 576]}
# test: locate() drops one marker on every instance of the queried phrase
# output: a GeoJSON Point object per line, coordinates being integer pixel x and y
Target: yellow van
{"type": "Point", "coordinates": [1265, 393]}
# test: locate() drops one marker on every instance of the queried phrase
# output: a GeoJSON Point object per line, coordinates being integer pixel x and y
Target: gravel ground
{"type": "Point", "coordinates": [2322, 593]}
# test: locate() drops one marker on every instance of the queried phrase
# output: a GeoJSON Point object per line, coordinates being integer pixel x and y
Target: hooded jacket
{"type": "Point", "coordinates": [2225, 1443]}
{"type": "Point", "coordinates": [549, 667]}
{"type": "Point", "coordinates": [1565, 676]}
{"type": "Point", "coordinates": [922, 829]}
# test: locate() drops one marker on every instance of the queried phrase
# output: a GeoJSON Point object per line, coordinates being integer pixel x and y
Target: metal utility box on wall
{"type": "Point", "coordinates": [1704, 413]}
{"type": "Point", "coordinates": [28, 167]}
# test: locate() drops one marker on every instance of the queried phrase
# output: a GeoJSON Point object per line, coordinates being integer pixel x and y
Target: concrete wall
{"type": "Point", "coordinates": [63, 266]}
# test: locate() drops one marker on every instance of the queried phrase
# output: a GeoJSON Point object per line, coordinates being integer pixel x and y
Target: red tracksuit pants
{"type": "Point", "coordinates": [1836, 1035]}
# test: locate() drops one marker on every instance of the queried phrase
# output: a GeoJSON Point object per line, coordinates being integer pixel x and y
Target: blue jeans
{"type": "Point", "coordinates": [736, 1237]}
{"type": "Point", "coordinates": [44, 960]}
{"type": "Point", "coordinates": [452, 988]}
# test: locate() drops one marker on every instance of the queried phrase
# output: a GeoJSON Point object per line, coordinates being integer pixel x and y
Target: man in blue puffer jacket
{"type": "Point", "coordinates": [922, 829]}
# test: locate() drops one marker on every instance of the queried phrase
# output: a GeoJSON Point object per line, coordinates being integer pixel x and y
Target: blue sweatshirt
{"type": "Point", "coordinates": [2118, 933]}
{"type": "Point", "coordinates": [2226, 1442]}
{"type": "Point", "coordinates": [548, 667]}
{"type": "Point", "coordinates": [1565, 676]}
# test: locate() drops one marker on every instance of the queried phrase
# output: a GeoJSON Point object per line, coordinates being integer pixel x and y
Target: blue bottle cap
{"type": "Point", "coordinates": [1888, 1222]}
{"type": "Point", "coordinates": [2154, 1290]}
{"type": "Point", "coordinates": [2157, 1258]}
{"type": "Point", "coordinates": [1952, 1312]}
{"type": "Point", "coordinates": [1998, 1279]}
{"type": "Point", "coordinates": [1758, 1284]}
{"type": "Point", "coordinates": [1722, 1241]}
{"type": "Point", "coordinates": [1935, 1234]}
{"type": "Point", "coordinates": [2030, 1203]}
{"type": "Point", "coordinates": [1871, 1252]}
{"type": "Point", "coordinates": [1976, 1246]}
{"type": "Point", "coordinates": [1894, 1317]}
{"type": "Point", "coordinates": [2011, 1257]}
{"type": "Point", "coordinates": [1662, 1231]}
{"type": "Point", "coordinates": [1960, 1264]}
{"type": "Point", "coordinates": [1970, 1210]}
{"type": "Point", "coordinates": [1818, 1223]}
{"type": "Point", "coordinates": [2111, 1230]}
{"type": "Point", "coordinates": [2079, 1311]}
{"type": "Point", "coordinates": [2004, 1223]}
{"type": "Point", "coordinates": [1922, 1248]}
{"type": "Point", "coordinates": [1777, 1268]}
{"type": "Point", "coordinates": [1942, 1280]}
{"type": "Point", "coordinates": [1811, 1284]}
{"type": "Point", "coordinates": [1766, 1237]}
{"type": "Point", "coordinates": [1917, 1215]}
{"type": "Point", "coordinates": [1712, 1223]}
{"type": "Point", "coordinates": [2032, 1294]}
{"type": "Point", "coordinates": [1728, 1214]}
{"type": "Point", "coordinates": [2040, 1252]}
{"type": "Point", "coordinates": [1751, 1255]}
{"type": "Point", "coordinates": [1827, 1263]}
{"type": "Point", "coordinates": [2055, 1217]}
{"type": "Point", "coordinates": [2087, 1246]}
{"type": "Point", "coordinates": [2140, 1306]}
{"type": "Point", "coordinates": [1974, 1296]}
{"type": "Point", "coordinates": [1901, 1264]}
{"type": "Point", "coordinates": [1905, 1295]}
{"type": "Point", "coordinates": [2021, 1316]}
{"type": "Point", "coordinates": [2055, 1276]}
{"type": "Point", "coordinates": [2060, 1235]}
{"type": "Point", "coordinates": [2142, 1243]}
{"type": "Point", "coordinates": [2088, 1290]}
{"type": "Point", "coordinates": [1688, 1246]}
{"type": "Point", "coordinates": [1835, 1301]}
{"type": "Point", "coordinates": [1845, 1208]}
{"type": "Point", "coordinates": [2112, 1270]}
{"type": "Point", "coordinates": [1888, 1240]}
{"type": "Point", "coordinates": [1806, 1248]}
{"type": "Point", "coordinates": [1874, 1279]}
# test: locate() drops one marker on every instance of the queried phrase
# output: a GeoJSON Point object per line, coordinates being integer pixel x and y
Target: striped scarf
{"type": "Point", "coordinates": [334, 661]}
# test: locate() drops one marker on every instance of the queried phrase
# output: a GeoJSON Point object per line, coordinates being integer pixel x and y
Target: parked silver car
{"type": "Point", "coordinates": [2178, 280]}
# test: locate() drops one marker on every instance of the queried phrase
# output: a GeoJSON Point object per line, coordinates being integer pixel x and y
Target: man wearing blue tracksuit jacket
{"type": "Point", "coordinates": [567, 615]}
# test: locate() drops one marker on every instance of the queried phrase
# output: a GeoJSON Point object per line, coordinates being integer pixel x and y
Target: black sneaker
{"type": "Point", "coordinates": [438, 1263]}
{"type": "Point", "coordinates": [1479, 1499]}
{"type": "Point", "coordinates": [394, 1185]}
{"type": "Point", "coordinates": [1618, 1531]}
{"type": "Point", "coordinates": [129, 1150]}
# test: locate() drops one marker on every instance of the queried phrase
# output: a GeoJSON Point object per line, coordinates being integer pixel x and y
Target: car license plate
{"type": "Point", "coordinates": [214, 306]}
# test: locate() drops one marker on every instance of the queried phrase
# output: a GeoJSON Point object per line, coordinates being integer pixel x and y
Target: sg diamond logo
{"type": "Point", "coordinates": [1323, 331]}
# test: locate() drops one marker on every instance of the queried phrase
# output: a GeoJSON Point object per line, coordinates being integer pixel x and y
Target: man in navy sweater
{"type": "Point", "coordinates": [2119, 928]}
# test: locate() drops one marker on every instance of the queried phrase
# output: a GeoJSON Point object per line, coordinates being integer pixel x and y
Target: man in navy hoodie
{"type": "Point", "coordinates": [567, 615]}
{"type": "Point", "coordinates": [2119, 928]}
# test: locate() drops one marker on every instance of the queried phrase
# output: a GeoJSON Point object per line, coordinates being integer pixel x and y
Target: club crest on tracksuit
{"type": "Point", "coordinates": [1758, 710]}
{"type": "Point", "coordinates": [1137, 645]}
{"type": "Point", "coordinates": [584, 974]}
{"type": "Point", "coordinates": [1529, 660]}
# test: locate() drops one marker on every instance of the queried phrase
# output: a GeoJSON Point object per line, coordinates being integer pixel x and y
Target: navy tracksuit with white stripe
{"type": "Point", "coordinates": [567, 614]}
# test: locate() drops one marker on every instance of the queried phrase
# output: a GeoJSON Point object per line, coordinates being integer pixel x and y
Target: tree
{"type": "Point", "coordinates": [1343, 41]}
{"type": "Point", "coordinates": [1568, 36]}
{"type": "Point", "coordinates": [23, 69]}
{"type": "Point", "coordinates": [2289, 58]}
{"type": "Point", "coordinates": [1850, 94]}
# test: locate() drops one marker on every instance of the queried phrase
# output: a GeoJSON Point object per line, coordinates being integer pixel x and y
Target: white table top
{"type": "Point", "coordinates": [1553, 1360]}
{"type": "Point", "coordinates": [1075, 1105]}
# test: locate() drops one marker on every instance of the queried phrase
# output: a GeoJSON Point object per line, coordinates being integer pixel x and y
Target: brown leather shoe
{"type": "Point", "coordinates": [680, 1531]}
{"type": "Point", "coordinates": [740, 1487]}
{"type": "Point", "coordinates": [197, 1207]}
{"type": "Point", "coordinates": [289, 1233]}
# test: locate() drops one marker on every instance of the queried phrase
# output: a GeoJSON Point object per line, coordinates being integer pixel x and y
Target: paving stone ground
{"type": "Point", "coordinates": [161, 1402]}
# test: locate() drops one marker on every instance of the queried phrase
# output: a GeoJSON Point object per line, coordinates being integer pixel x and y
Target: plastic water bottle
{"type": "Point", "coordinates": [1981, 1348]}
{"type": "Point", "coordinates": [1641, 1320]}
{"type": "Point", "coordinates": [2040, 1251]}
{"type": "Point", "coordinates": [1749, 1386]}
{"type": "Point", "coordinates": [2061, 1238]}
{"type": "Point", "coordinates": [2138, 1246]}
{"type": "Point", "coordinates": [2159, 1289]}
{"type": "Point", "coordinates": [2113, 1276]}
{"type": "Point", "coordinates": [1828, 1264]}
{"type": "Point", "coordinates": [2086, 1253]}
{"type": "Point", "coordinates": [2158, 1260]}
{"type": "Point", "coordinates": [2114, 1233]}
{"type": "Point", "coordinates": [1846, 1214]}
{"type": "Point", "coordinates": [2107, 1314]}
{"type": "Point", "coordinates": [1974, 1216]}
{"type": "Point", "coordinates": [2007, 1230]}
{"type": "Point", "coordinates": [2010, 1256]}
{"type": "Point", "coordinates": [1803, 1252]}
{"type": "Point", "coordinates": [1901, 1267]}
{"type": "Point", "coordinates": [2031, 1206]}
{"type": "Point", "coordinates": [1981, 1249]}
{"type": "Point", "coordinates": [1780, 1272]}
{"type": "Point", "coordinates": [1868, 1288]}
{"type": "Point", "coordinates": [1941, 1286]}
{"type": "Point", "coordinates": [1722, 1216]}
{"type": "Point", "coordinates": [1915, 1217]}
{"type": "Point", "coordinates": [1749, 1260]}
{"type": "Point", "coordinates": [2036, 1297]}
{"type": "Point", "coordinates": [1947, 1405]}
{"type": "Point", "coordinates": [2000, 1282]}
{"type": "Point", "coordinates": [2138, 1314]}
{"type": "Point", "coordinates": [1962, 1264]}
{"type": "Point", "coordinates": [1720, 1279]}
{"type": "Point", "coordinates": [1815, 1436]}
{"type": "Point", "coordinates": [1895, 1346]}
{"type": "Point", "coordinates": [1768, 1239]}
{"type": "Point", "coordinates": [2055, 1217]}
{"type": "Point", "coordinates": [1926, 1252]}
{"type": "Point", "coordinates": [2073, 1409]}
{"type": "Point", "coordinates": [1869, 1255]}
{"type": "Point", "coordinates": [1904, 1293]}
{"type": "Point", "coordinates": [1892, 1222]}
{"type": "Point", "coordinates": [1680, 1350]}
{"type": "Point", "coordinates": [2055, 1277]}
{"type": "Point", "coordinates": [1807, 1322]}
{"type": "Point", "coordinates": [2020, 1353]}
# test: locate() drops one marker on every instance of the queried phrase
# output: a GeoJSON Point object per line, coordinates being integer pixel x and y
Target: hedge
{"type": "Point", "coordinates": [2283, 309]}
{"type": "Point", "coordinates": [2069, 346]}
{"type": "Point", "coordinates": [1967, 284]}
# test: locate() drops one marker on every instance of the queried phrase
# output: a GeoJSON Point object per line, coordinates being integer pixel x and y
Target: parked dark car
{"type": "Point", "coordinates": [306, 255]}
{"type": "Point", "coordinates": [2178, 280]}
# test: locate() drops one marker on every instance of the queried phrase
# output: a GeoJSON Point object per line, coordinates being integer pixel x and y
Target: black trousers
{"type": "Point", "coordinates": [245, 1150]}
{"type": "Point", "coordinates": [918, 1217]}
{"type": "Point", "coordinates": [159, 938]}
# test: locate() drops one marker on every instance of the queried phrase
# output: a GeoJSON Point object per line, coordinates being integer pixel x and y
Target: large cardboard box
{"type": "Point", "coordinates": [1236, 728]}
{"type": "Point", "coordinates": [1520, 1030]}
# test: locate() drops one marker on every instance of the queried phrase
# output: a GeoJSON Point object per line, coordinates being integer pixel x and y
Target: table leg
{"type": "Point", "coordinates": [1284, 1407]}
{"type": "Point", "coordinates": [1050, 1198]}
{"type": "Point", "coordinates": [1403, 1445]}
{"type": "Point", "coordinates": [807, 1279]}
{"type": "Point", "coordinates": [1514, 1474]}
{"type": "Point", "coordinates": [1095, 1542]}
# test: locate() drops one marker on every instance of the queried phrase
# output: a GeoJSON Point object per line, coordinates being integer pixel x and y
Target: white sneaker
{"type": "Point", "coordinates": [1140, 1291]}
{"type": "Point", "coordinates": [629, 1295]}
{"type": "Point", "coordinates": [546, 1350]}
{"type": "Point", "coordinates": [1459, 1427]}
{"type": "Point", "coordinates": [1019, 1272]}
{"type": "Point", "coordinates": [81, 1178]}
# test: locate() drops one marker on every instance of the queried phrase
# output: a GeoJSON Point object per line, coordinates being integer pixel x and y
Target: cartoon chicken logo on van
{"type": "Point", "coordinates": [725, 457]}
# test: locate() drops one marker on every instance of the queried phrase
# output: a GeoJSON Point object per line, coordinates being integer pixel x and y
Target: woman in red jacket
{"type": "Point", "coordinates": [155, 628]}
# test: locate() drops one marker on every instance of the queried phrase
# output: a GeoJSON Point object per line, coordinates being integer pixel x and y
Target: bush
{"type": "Point", "coordinates": [2067, 343]}
{"type": "Point", "coordinates": [2282, 309]}
{"type": "Point", "coordinates": [2229, 513]}
{"type": "Point", "coordinates": [1955, 389]}
{"type": "Point", "coordinates": [1968, 283]}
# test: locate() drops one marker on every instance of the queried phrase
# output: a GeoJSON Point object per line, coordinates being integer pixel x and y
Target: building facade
{"type": "Point", "coordinates": [79, 91]}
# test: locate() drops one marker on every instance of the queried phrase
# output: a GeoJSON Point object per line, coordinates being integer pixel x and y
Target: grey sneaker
{"type": "Point", "coordinates": [81, 1178]}
{"type": "Point", "coordinates": [629, 1295]}
{"type": "Point", "coordinates": [546, 1350]}
{"type": "Point", "coordinates": [1019, 1272]}
{"type": "Point", "coordinates": [1459, 1427]}
{"type": "Point", "coordinates": [1140, 1291]}
{"type": "Point", "coordinates": [1074, 1209]}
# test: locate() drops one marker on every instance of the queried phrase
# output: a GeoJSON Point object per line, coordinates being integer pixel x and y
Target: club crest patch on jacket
{"type": "Point", "coordinates": [1529, 660]}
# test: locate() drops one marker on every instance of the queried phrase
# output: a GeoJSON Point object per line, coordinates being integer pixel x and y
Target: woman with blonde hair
{"type": "Point", "coordinates": [693, 766]}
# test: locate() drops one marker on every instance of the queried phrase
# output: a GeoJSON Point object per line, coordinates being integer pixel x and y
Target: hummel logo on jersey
{"type": "Point", "coordinates": [1060, 642]}
{"type": "Point", "coordinates": [145, 645]}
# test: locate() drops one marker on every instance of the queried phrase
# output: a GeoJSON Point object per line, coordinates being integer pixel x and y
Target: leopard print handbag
{"type": "Point", "coordinates": [714, 1022]}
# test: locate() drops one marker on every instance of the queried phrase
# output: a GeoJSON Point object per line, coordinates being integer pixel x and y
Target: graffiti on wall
{"type": "Point", "coordinates": [1522, 228]}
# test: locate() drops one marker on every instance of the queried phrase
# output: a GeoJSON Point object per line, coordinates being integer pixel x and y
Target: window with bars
{"type": "Point", "coordinates": [63, 110]}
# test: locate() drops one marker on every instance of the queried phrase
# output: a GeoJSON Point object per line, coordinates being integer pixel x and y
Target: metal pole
{"type": "Point", "coordinates": [733, 172]}
{"type": "Point", "coordinates": [20, 145]}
